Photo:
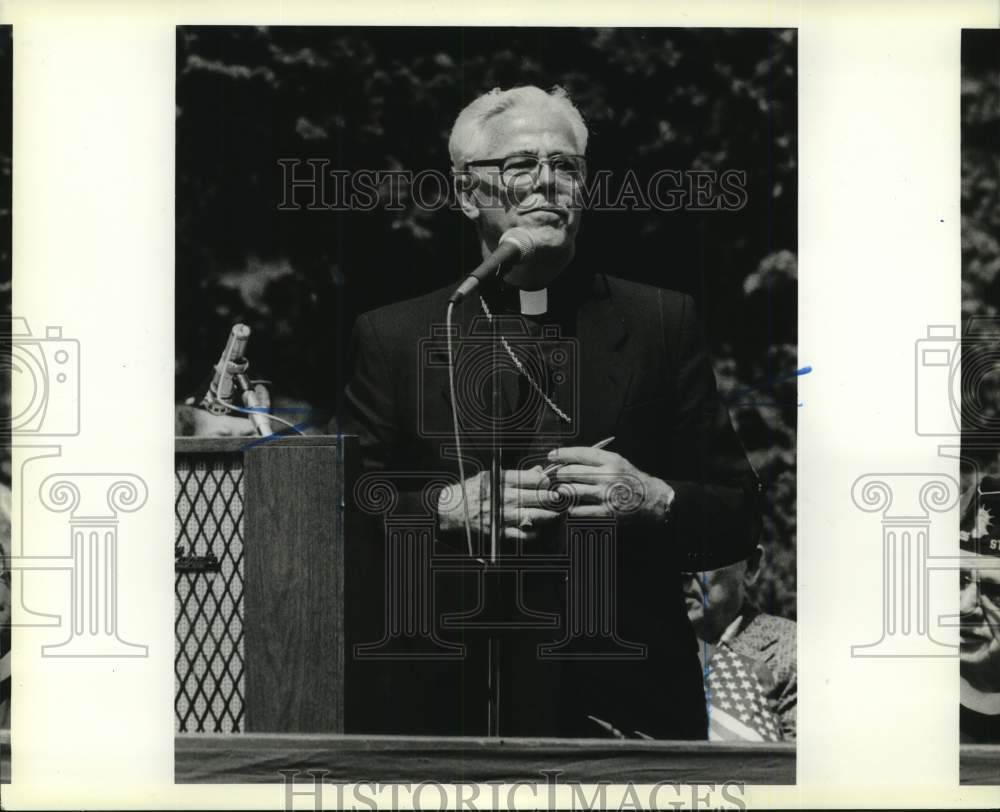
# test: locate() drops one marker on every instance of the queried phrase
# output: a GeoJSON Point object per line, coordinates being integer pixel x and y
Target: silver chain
{"type": "Point", "coordinates": [520, 368]}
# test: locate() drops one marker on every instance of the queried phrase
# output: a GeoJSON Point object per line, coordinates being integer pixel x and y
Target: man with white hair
{"type": "Point", "coordinates": [979, 602]}
{"type": "Point", "coordinates": [568, 356]}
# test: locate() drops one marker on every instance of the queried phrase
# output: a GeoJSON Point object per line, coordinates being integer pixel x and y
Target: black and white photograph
{"type": "Point", "coordinates": [522, 406]}
{"type": "Point", "coordinates": [486, 402]}
{"type": "Point", "coordinates": [977, 388]}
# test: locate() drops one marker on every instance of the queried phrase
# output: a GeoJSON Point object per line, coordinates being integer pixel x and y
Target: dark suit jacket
{"type": "Point", "coordinates": [644, 377]}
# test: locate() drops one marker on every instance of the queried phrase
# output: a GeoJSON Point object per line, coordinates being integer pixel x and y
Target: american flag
{"type": "Point", "coordinates": [737, 704]}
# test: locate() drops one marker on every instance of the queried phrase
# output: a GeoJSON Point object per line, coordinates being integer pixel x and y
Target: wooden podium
{"type": "Point", "coordinates": [274, 576]}
{"type": "Point", "coordinates": [260, 577]}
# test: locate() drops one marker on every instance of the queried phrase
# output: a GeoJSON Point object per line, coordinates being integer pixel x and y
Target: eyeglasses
{"type": "Point", "coordinates": [523, 170]}
{"type": "Point", "coordinates": [988, 589]}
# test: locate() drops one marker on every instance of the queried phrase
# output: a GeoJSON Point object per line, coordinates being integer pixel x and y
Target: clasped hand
{"type": "Point", "coordinates": [588, 483]}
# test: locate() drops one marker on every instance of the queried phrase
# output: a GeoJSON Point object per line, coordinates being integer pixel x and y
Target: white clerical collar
{"type": "Point", "coordinates": [974, 699]}
{"type": "Point", "coordinates": [534, 302]}
{"type": "Point", "coordinates": [731, 629]}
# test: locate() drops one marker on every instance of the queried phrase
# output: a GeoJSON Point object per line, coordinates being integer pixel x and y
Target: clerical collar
{"type": "Point", "coordinates": [731, 630]}
{"type": "Point", "coordinates": [979, 701]}
{"type": "Point", "coordinates": [534, 302]}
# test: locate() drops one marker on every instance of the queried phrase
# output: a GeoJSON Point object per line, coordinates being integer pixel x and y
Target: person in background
{"type": "Point", "coordinates": [748, 657]}
{"type": "Point", "coordinates": [979, 618]}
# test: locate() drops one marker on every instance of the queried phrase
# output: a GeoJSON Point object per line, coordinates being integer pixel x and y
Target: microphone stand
{"type": "Point", "coordinates": [496, 534]}
{"type": "Point", "coordinates": [517, 245]}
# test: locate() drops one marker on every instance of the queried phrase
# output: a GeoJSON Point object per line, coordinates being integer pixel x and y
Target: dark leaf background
{"type": "Point", "coordinates": [981, 244]}
{"type": "Point", "coordinates": [385, 98]}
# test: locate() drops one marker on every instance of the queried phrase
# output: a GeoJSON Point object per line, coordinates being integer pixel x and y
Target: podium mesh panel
{"type": "Point", "coordinates": [208, 664]}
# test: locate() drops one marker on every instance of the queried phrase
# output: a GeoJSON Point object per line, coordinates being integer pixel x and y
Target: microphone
{"type": "Point", "coordinates": [516, 245]}
{"type": "Point", "coordinates": [231, 362]}
{"type": "Point", "coordinates": [230, 375]}
{"type": "Point", "coordinates": [260, 422]}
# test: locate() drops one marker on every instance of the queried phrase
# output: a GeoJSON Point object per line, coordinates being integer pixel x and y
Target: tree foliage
{"type": "Point", "coordinates": [980, 245]}
{"type": "Point", "coordinates": [385, 99]}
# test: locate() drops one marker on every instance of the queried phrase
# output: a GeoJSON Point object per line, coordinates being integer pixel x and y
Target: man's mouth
{"type": "Point", "coordinates": [971, 640]}
{"type": "Point", "coordinates": [547, 213]}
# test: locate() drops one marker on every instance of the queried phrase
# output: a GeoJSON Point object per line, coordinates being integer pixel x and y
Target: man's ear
{"type": "Point", "coordinates": [465, 186]}
{"type": "Point", "coordinates": [754, 562]}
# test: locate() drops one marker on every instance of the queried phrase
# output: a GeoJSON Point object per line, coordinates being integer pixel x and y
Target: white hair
{"type": "Point", "coordinates": [468, 131]}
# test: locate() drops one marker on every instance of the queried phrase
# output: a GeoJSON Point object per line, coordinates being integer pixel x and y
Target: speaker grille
{"type": "Point", "coordinates": [208, 564]}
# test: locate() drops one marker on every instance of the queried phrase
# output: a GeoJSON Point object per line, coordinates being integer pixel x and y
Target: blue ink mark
{"type": "Point", "coordinates": [733, 399]}
{"type": "Point", "coordinates": [706, 667]}
{"type": "Point", "coordinates": [298, 427]}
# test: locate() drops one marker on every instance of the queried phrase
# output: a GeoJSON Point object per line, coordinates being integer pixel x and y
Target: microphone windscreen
{"type": "Point", "coordinates": [521, 238]}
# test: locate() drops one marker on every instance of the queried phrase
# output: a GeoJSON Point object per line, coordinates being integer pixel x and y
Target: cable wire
{"type": "Point", "coordinates": [267, 414]}
{"type": "Point", "coordinates": [458, 438]}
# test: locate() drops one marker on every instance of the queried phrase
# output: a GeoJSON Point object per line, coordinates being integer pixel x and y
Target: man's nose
{"type": "Point", "coordinates": [546, 177]}
{"type": "Point", "coordinates": [969, 598]}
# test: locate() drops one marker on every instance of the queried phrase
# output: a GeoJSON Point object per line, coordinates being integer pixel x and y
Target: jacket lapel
{"type": "Point", "coordinates": [605, 371]}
